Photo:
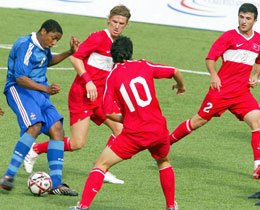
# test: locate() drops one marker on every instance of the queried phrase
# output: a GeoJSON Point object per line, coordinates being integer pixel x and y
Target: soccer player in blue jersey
{"type": "Point", "coordinates": [27, 92]}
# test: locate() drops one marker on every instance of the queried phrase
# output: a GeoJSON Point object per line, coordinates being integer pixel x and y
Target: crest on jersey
{"type": "Point", "coordinates": [33, 116]}
{"type": "Point", "coordinates": [256, 47]}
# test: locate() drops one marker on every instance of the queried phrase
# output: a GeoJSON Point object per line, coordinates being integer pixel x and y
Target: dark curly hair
{"type": "Point", "coordinates": [122, 49]}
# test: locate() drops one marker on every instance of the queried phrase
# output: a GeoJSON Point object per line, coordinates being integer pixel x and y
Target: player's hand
{"type": "Point", "coordinates": [180, 89]}
{"type": "Point", "coordinates": [215, 83]}
{"type": "Point", "coordinates": [74, 44]}
{"type": "Point", "coordinates": [91, 91]}
{"type": "Point", "coordinates": [253, 81]}
{"type": "Point", "coordinates": [1, 112]}
{"type": "Point", "coordinates": [53, 89]}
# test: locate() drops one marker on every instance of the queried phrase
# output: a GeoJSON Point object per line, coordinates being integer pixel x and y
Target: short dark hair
{"type": "Point", "coordinates": [122, 49]}
{"type": "Point", "coordinates": [51, 26]}
{"type": "Point", "coordinates": [248, 7]}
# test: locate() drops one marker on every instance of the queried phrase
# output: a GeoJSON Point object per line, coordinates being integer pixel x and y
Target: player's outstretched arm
{"type": "Point", "coordinates": [254, 79]}
{"type": "Point", "coordinates": [180, 83]}
{"type": "Point", "coordinates": [115, 117]}
{"type": "Point", "coordinates": [74, 44]}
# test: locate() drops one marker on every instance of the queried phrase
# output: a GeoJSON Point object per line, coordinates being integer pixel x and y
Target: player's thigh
{"type": "Point", "coordinates": [79, 131]}
{"type": "Point", "coordinates": [212, 107]}
{"type": "Point", "coordinates": [53, 122]}
{"type": "Point", "coordinates": [107, 159]}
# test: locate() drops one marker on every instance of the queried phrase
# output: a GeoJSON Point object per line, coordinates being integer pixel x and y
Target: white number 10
{"type": "Point", "coordinates": [139, 101]}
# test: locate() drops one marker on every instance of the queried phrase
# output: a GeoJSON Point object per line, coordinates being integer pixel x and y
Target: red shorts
{"type": "Point", "coordinates": [125, 147]}
{"type": "Point", "coordinates": [239, 106]}
{"type": "Point", "coordinates": [81, 107]}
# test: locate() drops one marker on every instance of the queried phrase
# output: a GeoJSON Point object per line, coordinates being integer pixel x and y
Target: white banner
{"type": "Point", "coordinates": [218, 15]}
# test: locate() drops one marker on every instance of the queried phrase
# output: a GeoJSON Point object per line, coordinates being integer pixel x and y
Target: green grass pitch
{"type": "Point", "coordinates": [213, 166]}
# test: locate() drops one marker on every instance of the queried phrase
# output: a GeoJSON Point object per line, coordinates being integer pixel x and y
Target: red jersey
{"type": "Point", "coordinates": [131, 83]}
{"type": "Point", "coordinates": [95, 54]}
{"type": "Point", "coordinates": [239, 54]}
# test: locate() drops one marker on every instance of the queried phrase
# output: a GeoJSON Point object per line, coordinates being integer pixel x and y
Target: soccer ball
{"type": "Point", "coordinates": [39, 183]}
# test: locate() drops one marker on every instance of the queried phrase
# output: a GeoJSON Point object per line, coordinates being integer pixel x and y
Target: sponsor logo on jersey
{"type": "Point", "coordinates": [256, 47]}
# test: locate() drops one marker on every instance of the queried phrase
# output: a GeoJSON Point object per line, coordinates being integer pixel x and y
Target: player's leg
{"type": "Point", "coordinates": [29, 117]}
{"type": "Point", "coordinates": [116, 129]}
{"type": "Point", "coordinates": [55, 156]}
{"type": "Point", "coordinates": [79, 131]}
{"type": "Point", "coordinates": [186, 127]}
{"type": "Point", "coordinates": [20, 151]}
{"type": "Point", "coordinates": [167, 182]}
{"type": "Point", "coordinates": [253, 120]}
{"type": "Point", "coordinates": [96, 177]}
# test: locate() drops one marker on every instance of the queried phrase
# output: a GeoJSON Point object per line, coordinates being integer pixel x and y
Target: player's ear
{"type": "Point", "coordinates": [43, 31]}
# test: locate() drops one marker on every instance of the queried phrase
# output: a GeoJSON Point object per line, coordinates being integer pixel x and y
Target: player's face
{"type": "Point", "coordinates": [116, 25]}
{"type": "Point", "coordinates": [49, 39]}
{"type": "Point", "coordinates": [246, 22]}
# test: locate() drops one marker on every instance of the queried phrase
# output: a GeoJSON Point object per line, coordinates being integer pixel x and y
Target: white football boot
{"type": "Point", "coordinates": [29, 160]}
{"type": "Point", "coordinates": [110, 178]}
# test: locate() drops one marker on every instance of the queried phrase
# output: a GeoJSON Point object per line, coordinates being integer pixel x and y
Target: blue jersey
{"type": "Point", "coordinates": [28, 58]}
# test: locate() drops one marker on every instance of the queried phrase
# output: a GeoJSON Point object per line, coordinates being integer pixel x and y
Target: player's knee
{"type": "Point", "coordinates": [77, 144]}
{"type": "Point", "coordinates": [57, 131]}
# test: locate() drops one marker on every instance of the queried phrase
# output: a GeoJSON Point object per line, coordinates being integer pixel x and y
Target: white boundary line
{"type": "Point", "coordinates": [70, 69]}
{"type": "Point", "coordinates": [182, 70]}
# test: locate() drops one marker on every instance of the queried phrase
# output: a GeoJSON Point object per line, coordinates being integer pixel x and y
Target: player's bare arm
{"type": "Point", "coordinates": [180, 83]}
{"type": "Point", "coordinates": [215, 82]}
{"type": "Point", "coordinates": [115, 117]}
{"type": "Point", "coordinates": [74, 44]}
{"type": "Point", "coordinates": [80, 69]}
{"type": "Point", "coordinates": [28, 83]}
{"type": "Point", "coordinates": [254, 79]}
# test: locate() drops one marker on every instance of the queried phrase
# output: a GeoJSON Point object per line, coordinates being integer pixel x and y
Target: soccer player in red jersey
{"type": "Point", "coordinates": [230, 87]}
{"type": "Point", "coordinates": [131, 82]}
{"type": "Point", "coordinates": [92, 62]}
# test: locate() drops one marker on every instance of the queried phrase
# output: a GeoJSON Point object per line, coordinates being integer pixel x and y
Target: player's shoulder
{"type": "Point", "coordinates": [256, 34]}
{"type": "Point", "coordinates": [100, 35]}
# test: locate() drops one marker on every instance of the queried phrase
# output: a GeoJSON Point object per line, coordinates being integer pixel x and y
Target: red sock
{"type": "Point", "coordinates": [92, 186]}
{"type": "Point", "coordinates": [67, 146]}
{"type": "Point", "coordinates": [168, 185]}
{"type": "Point", "coordinates": [43, 147]}
{"type": "Point", "coordinates": [181, 131]}
{"type": "Point", "coordinates": [255, 142]}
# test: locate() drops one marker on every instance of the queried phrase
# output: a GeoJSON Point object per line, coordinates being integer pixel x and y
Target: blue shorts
{"type": "Point", "coordinates": [31, 107]}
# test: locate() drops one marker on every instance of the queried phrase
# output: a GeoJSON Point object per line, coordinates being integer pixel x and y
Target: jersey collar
{"type": "Point", "coordinates": [35, 41]}
{"type": "Point", "coordinates": [253, 33]}
{"type": "Point", "coordinates": [108, 34]}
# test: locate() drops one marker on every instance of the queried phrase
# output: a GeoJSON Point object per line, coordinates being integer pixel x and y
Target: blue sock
{"type": "Point", "coordinates": [20, 151]}
{"type": "Point", "coordinates": [55, 156]}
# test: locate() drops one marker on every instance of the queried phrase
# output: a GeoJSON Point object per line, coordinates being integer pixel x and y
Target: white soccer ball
{"type": "Point", "coordinates": [39, 183]}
